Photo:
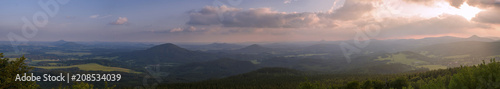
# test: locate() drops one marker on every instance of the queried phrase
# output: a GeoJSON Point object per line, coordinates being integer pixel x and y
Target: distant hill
{"type": "Point", "coordinates": [166, 53]}
{"type": "Point", "coordinates": [322, 48]}
{"type": "Point", "coordinates": [67, 45]}
{"type": "Point", "coordinates": [253, 49]}
{"type": "Point", "coordinates": [167, 48]}
{"type": "Point", "coordinates": [477, 38]}
{"type": "Point", "coordinates": [396, 45]}
{"type": "Point", "coordinates": [447, 39]}
{"type": "Point", "coordinates": [475, 48]}
{"type": "Point", "coordinates": [213, 46]}
{"type": "Point", "coordinates": [60, 42]}
{"type": "Point", "coordinates": [223, 46]}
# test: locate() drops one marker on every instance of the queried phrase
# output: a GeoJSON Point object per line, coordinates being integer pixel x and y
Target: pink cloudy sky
{"type": "Point", "coordinates": [255, 20]}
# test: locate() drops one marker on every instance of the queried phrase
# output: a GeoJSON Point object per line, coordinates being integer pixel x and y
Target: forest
{"type": "Point", "coordinates": [482, 76]}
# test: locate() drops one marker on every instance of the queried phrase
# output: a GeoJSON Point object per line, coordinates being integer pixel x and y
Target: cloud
{"type": "Point", "coordinates": [352, 10]}
{"type": "Point", "coordinates": [268, 18]}
{"type": "Point", "coordinates": [491, 8]}
{"type": "Point", "coordinates": [176, 30]}
{"type": "Point", "coordinates": [99, 16]}
{"type": "Point", "coordinates": [490, 16]}
{"type": "Point", "coordinates": [93, 16]}
{"type": "Point", "coordinates": [444, 24]}
{"type": "Point", "coordinates": [190, 28]}
{"type": "Point", "coordinates": [484, 3]}
{"type": "Point", "coordinates": [423, 2]}
{"type": "Point", "coordinates": [288, 1]}
{"type": "Point", "coordinates": [120, 21]}
{"type": "Point", "coordinates": [456, 3]}
{"type": "Point", "coordinates": [490, 13]}
{"type": "Point", "coordinates": [340, 24]}
{"type": "Point", "coordinates": [209, 15]}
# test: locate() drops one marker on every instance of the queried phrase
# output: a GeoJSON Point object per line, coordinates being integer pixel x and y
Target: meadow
{"type": "Point", "coordinates": [90, 67]}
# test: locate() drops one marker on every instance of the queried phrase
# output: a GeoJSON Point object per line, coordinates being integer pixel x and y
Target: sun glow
{"type": "Point", "coordinates": [468, 11]}
{"type": "Point", "coordinates": [465, 10]}
{"type": "Point", "coordinates": [398, 8]}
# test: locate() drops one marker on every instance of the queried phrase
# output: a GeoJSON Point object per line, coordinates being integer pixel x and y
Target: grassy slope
{"type": "Point", "coordinates": [90, 67]}
{"type": "Point", "coordinates": [404, 59]}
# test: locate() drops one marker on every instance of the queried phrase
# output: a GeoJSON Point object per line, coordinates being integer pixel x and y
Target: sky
{"type": "Point", "coordinates": [245, 20]}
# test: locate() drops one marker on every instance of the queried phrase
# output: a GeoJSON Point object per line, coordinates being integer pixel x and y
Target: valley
{"type": "Point", "coordinates": [213, 62]}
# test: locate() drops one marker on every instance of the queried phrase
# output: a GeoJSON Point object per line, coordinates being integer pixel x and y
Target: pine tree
{"type": "Point", "coordinates": [9, 70]}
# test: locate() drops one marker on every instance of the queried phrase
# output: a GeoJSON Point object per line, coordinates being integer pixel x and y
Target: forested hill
{"type": "Point", "coordinates": [482, 76]}
{"type": "Point", "coordinates": [253, 49]}
{"type": "Point", "coordinates": [165, 53]}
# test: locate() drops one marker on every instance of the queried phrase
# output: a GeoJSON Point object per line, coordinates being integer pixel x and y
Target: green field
{"type": "Point", "coordinates": [36, 61]}
{"type": "Point", "coordinates": [433, 67]}
{"type": "Point", "coordinates": [307, 55]}
{"type": "Point", "coordinates": [255, 61]}
{"type": "Point", "coordinates": [66, 54]}
{"type": "Point", "coordinates": [53, 64]}
{"type": "Point", "coordinates": [457, 56]}
{"type": "Point", "coordinates": [402, 58]}
{"type": "Point", "coordinates": [426, 53]}
{"type": "Point", "coordinates": [493, 56]}
{"type": "Point", "coordinates": [43, 60]}
{"type": "Point", "coordinates": [105, 58]}
{"type": "Point", "coordinates": [14, 54]}
{"type": "Point", "coordinates": [12, 59]}
{"type": "Point", "coordinates": [90, 67]}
